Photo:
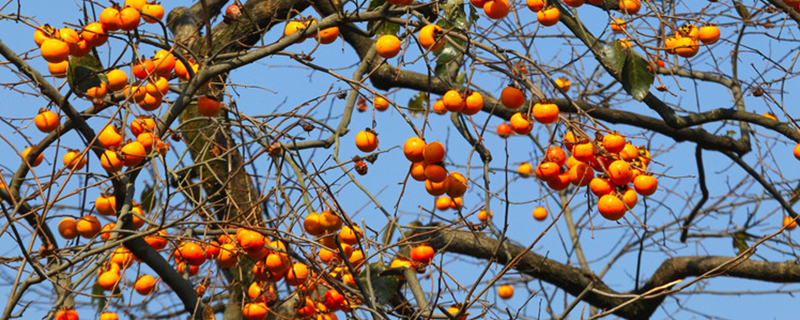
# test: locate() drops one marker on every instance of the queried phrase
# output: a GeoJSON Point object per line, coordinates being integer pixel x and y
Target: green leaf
{"type": "Point", "coordinates": [637, 77]}
{"type": "Point", "coordinates": [416, 105]}
{"type": "Point", "coordinates": [615, 55]}
{"type": "Point", "coordinates": [84, 73]}
{"type": "Point", "coordinates": [148, 198]}
{"type": "Point", "coordinates": [448, 53]}
{"type": "Point", "coordinates": [740, 242]}
{"type": "Point", "coordinates": [385, 287]}
{"type": "Point", "coordinates": [383, 27]}
{"type": "Point", "coordinates": [98, 298]}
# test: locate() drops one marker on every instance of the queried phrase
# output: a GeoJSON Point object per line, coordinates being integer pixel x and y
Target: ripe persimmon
{"type": "Point", "coordinates": [108, 316]}
{"type": "Point", "coordinates": [525, 169]}
{"type": "Point", "coordinates": [435, 173]}
{"type": "Point", "coordinates": [145, 285]}
{"type": "Point", "coordinates": [547, 171]}
{"type": "Point", "coordinates": [611, 207]}
{"type": "Point", "coordinates": [789, 223]}
{"type": "Point", "coordinates": [645, 185]}
{"type": "Point", "coordinates": [422, 253]}
{"type": "Point", "coordinates": [129, 19]}
{"type": "Point", "coordinates": [155, 10]}
{"type": "Point", "coordinates": [133, 153]}
{"type": "Point", "coordinates": [505, 292]}
{"type": "Point", "coordinates": [108, 280]}
{"type": "Point", "coordinates": [457, 186]}
{"type": "Point", "coordinates": [484, 215]}
{"type": "Point", "coordinates": [797, 151]}
{"type": "Point", "coordinates": [453, 101]}
{"type": "Point", "coordinates": [68, 228]}
{"type": "Point", "coordinates": [535, 5]}
{"type": "Point", "coordinates": [350, 235]}
{"type": "Point", "coordinates": [430, 37]}
{"type": "Point", "coordinates": [366, 140]}
{"type": "Point", "coordinates": [88, 226]}
{"type": "Point", "coordinates": [545, 112]}
{"type": "Point", "coordinates": [613, 143]}
{"type": "Point", "coordinates": [157, 240]}
{"type": "Point", "coordinates": [388, 46]}
{"type": "Point", "coordinates": [512, 98]}
{"type": "Point", "coordinates": [418, 170]}
{"type": "Point", "coordinates": [298, 274]}
{"type": "Point", "coordinates": [708, 34]}
{"type": "Point", "coordinates": [255, 311]}
{"type": "Point", "coordinates": [686, 47]}
{"type": "Point", "coordinates": [630, 198]}
{"type": "Point", "coordinates": [601, 186]}
{"type": "Point", "coordinates": [36, 161]}
{"type": "Point", "coordinates": [630, 6]}
{"type": "Point", "coordinates": [311, 224]}
{"type": "Point", "coordinates": [473, 103]}
{"type": "Point", "coordinates": [54, 50]}
{"type": "Point", "coordinates": [548, 17]}
{"type": "Point", "coordinates": [413, 149]}
{"type": "Point", "coordinates": [521, 124]}
{"type": "Point", "coordinates": [581, 175]}
{"type": "Point", "coordinates": [94, 34]}
{"type": "Point", "coordinates": [380, 104]}
{"type": "Point", "coordinates": [583, 152]}
{"type": "Point", "coordinates": [443, 203]}
{"type": "Point", "coordinates": [540, 213]}
{"type": "Point", "coordinates": [433, 152]}
{"type": "Point", "coordinates": [208, 106]}
{"type": "Point", "coordinates": [617, 25]}
{"type": "Point", "coordinates": [504, 130]}
{"type": "Point", "coordinates": [574, 3]}
{"type": "Point", "coordinates": [58, 69]}
{"type": "Point", "coordinates": [136, 4]}
{"type": "Point", "coordinates": [437, 188]}
{"type": "Point", "coordinates": [561, 182]}
{"type": "Point", "coordinates": [191, 252]}
{"type": "Point", "coordinates": [227, 256]}
{"type": "Point", "coordinates": [619, 172]}
{"type": "Point", "coordinates": [563, 83]}
{"type": "Point", "coordinates": [330, 221]}
{"type": "Point", "coordinates": [110, 161]}
{"type": "Point", "coordinates": [46, 121]}
{"type": "Point", "coordinates": [438, 107]}
{"type": "Point", "coordinates": [496, 9]}
{"type": "Point", "coordinates": [110, 18]}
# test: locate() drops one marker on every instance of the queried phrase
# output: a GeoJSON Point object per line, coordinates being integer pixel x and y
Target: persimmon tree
{"type": "Point", "coordinates": [371, 159]}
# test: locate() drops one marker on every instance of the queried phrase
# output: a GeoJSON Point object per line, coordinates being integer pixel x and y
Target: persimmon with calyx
{"type": "Point", "coordinates": [142, 124]}
{"type": "Point", "coordinates": [133, 153]}
{"type": "Point", "coordinates": [422, 253]}
{"type": "Point", "coordinates": [43, 33]}
{"type": "Point", "coordinates": [157, 240]}
{"type": "Point", "coordinates": [545, 112]}
{"type": "Point", "coordinates": [512, 98]}
{"type": "Point", "coordinates": [563, 83]}
{"type": "Point", "coordinates": [431, 37]}
{"type": "Point", "coordinates": [68, 228]}
{"type": "Point", "coordinates": [611, 207]}
{"type": "Point", "coordinates": [457, 185]}
{"type": "Point", "coordinates": [686, 47]}
{"type": "Point", "coordinates": [350, 235]}
{"type": "Point", "coordinates": [152, 9]}
{"type": "Point", "coordinates": [109, 137]}
{"type": "Point", "coordinates": [108, 280]}
{"type": "Point", "coordinates": [106, 204]}
{"type": "Point", "coordinates": [584, 152]}
{"type": "Point", "coordinates": [435, 173]}
{"type": "Point", "coordinates": [129, 19]}
{"type": "Point", "coordinates": [556, 154]}
{"type": "Point", "coordinates": [145, 285]}
{"type": "Point", "coordinates": [227, 256]}
{"type": "Point", "coordinates": [618, 25]}
{"type": "Point", "coordinates": [94, 34]}
{"type": "Point", "coordinates": [473, 103]}
{"type": "Point", "coordinates": [561, 182]}
{"type": "Point", "coordinates": [330, 221]}
{"type": "Point", "coordinates": [521, 124]}
{"type": "Point", "coordinates": [413, 149]}
{"type": "Point", "coordinates": [438, 107]}
{"type": "Point", "coordinates": [645, 185]}
{"type": "Point", "coordinates": [46, 121]}
{"type": "Point", "coordinates": [110, 18]}
{"type": "Point", "coordinates": [453, 101]}
{"type": "Point", "coordinates": [540, 213]}
{"type": "Point", "coordinates": [388, 46]}
{"type": "Point", "coordinates": [433, 152]}
{"type": "Point", "coordinates": [613, 143]}
{"type": "Point", "coordinates": [71, 38]}
{"type": "Point", "coordinates": [548, 17]}
{"type": "Point", "coordinates": [117, 79]}
{"type": "Point", "coordinates": [366, 140]}
{"type": "Point", "coordinates": [505, 292]}
{"type": "Point", "coordinates": [191, 252]}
